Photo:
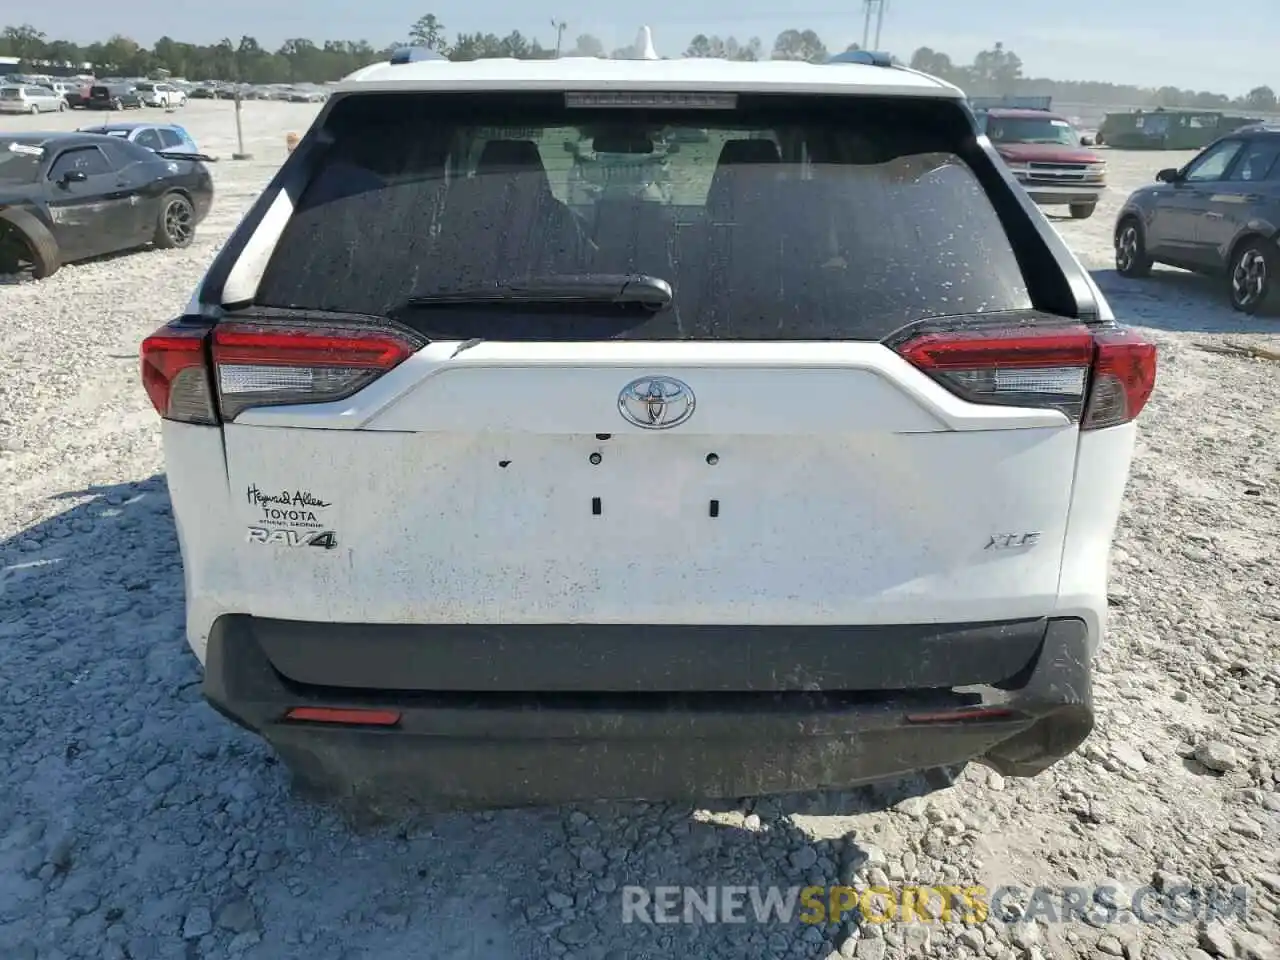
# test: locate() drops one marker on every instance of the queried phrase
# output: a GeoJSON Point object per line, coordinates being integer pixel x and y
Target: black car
{"type": "Point", "coordinates": [114, 96]}
{"type": "Point", "coordinates": [70, 196]}
{"type": "Point", "coordinates": [1219, 215]}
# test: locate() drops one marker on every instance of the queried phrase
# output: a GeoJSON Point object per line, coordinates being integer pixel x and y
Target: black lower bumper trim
{"type": "Point", "coordinates": [505, 750]}
{"type": "Point", "coordinates": [622, 658]}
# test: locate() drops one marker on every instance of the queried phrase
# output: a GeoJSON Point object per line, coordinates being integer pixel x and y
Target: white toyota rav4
{"type": "Point", "coordinates": [800, 472]}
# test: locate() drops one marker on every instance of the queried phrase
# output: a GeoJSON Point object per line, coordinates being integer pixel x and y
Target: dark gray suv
{"type": "Point", "coordinates": [1218, 215]}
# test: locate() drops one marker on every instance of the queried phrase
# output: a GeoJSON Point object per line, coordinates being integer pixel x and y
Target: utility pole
{"type": "Point", "coordinates": [559, 26]}
{"type": "Point", "coordinates": [878, 6]}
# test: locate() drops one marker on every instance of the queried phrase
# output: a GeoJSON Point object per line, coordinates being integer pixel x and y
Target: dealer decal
{"type": "Point", "coordinates": [288, 508]}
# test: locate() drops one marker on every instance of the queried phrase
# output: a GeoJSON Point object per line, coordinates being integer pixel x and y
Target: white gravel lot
{"type": "Point", "coordinates": [136, 823]}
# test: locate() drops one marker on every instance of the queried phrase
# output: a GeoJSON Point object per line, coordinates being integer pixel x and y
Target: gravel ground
{"type": "Point", "coordinates": [136, 823]}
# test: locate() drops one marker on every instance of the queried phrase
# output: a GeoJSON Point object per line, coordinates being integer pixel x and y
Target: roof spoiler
{"type": "Point", "coordinates": [182, 155]}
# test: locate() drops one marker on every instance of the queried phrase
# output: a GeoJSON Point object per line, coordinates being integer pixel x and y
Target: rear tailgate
{"type": "Point", "coordinates": [813, 484]}
{"type": "Point", "coordinates": [852, 415]}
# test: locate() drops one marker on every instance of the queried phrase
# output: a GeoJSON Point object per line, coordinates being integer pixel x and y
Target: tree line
{"type": "Point", "coordinates": [992, 72]}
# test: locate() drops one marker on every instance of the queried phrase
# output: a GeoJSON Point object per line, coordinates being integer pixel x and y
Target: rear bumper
{"type": "Point", "coordinates": [463, 748]}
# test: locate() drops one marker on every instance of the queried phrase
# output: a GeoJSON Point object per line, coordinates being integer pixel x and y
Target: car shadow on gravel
{"type": "Point", "coordinates": [14, 279]}
{"type": "Point", "coordinates": [1179, 302]}
{"type": "Point", "coordinates": [137, 823]}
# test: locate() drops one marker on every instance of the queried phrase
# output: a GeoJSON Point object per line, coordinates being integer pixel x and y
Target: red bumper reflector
{"type": "Point", "coordinates": [959, 716]}
{"type": "Point", "coordinates": [347, 716]}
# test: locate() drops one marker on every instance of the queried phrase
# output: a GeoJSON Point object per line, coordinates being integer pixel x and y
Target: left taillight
{"type": "Point", "coordinates": [264, 364]}
{"type": "Point", "coordinates": [175, 373]}
{"type": "Point", "coordinates": [215, 374]}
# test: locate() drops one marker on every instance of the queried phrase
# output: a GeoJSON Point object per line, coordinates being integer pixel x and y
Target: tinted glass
{"type": "Point", "coordinates": [149, 139]}
{"type": "Point", "coordinates": [1031, 130]}
{"type": "Point", "coordinates": [789, 218]}
{"type": "Point", "coordinates": [86, 160]}
{"type": "Point", "coordinates": [1258, 161]}
{"type": "Point", "coordinates": [121, 153]}
{"type": "Point", "coordinates": [1213, 163]}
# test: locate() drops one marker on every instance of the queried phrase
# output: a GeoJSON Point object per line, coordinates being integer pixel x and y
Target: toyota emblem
{"type": "Point", "coordinates": [656, 403]}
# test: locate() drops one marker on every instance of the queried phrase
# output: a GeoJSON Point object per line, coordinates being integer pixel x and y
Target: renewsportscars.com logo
{"type": "Point", "coordinates": [1097, 905]}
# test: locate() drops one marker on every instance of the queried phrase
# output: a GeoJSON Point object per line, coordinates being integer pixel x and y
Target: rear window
{"type": "Point", "coordinates": [10, 93]}
{"type": "Point", "coordinates": [784, 218]}
{"type": "Point", "coordinates": [99, 92]}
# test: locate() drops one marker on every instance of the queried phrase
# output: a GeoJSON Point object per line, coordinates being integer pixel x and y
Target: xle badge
{"type": "Point", "coordinates": [293, 538]}
{"type": "Point", "coordinates": [1012, 541]}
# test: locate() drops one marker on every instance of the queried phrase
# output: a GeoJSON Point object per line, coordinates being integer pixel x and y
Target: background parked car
{"type": "Point", "coordinates": [160, 94]}
{"type": "Point", "coordinates": [153, 136]}
{"type": "Point", "coordinates": [77, 95]}
{"type": "Point", "coordinates": [1052, 162]}
{"type": "Point", "coordinates": [69, 196]}
{"type": "Point", "coordinates": [1219, 215]}
{"type": "Point", "coordinates": [114, 96]}
{"type": "Point", "coordinates": [305, 94]}
{"type": "Point", "coordinates": [27, 98]}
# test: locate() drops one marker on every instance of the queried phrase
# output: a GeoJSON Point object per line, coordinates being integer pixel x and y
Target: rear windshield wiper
{"type": "Point", "coordinates": [619, 288]}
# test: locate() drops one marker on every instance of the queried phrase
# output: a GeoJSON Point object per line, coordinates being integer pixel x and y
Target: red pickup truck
{"type": "Point", "coordinates": [1054, 164]}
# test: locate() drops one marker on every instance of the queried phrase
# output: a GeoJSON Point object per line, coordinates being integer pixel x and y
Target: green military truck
{"type": "Point", "coordinates": [1162, 129]}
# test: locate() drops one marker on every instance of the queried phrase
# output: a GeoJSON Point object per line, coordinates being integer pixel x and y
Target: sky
{"type": "Point", "coordinates": [1121, 41]}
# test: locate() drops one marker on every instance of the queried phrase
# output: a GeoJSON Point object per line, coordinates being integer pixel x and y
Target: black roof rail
{"type": "Point", "coordinates": [871, 58]}
{"type": "Point", "coordinates": [416, 55]}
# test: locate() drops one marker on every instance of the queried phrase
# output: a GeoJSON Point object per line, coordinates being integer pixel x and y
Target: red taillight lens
{"type": "Point", "coordinates": [963, 715]}
{"type": "Point", "coordinates": [175, 374]}
{"type": "Point", "coordinates": [344, 716]}
{"type": "Point", "coordinates": [1124, 374]}
{"type": "Point", "coordinates": [1098, 378]}
{"type": "Point", "coordinates": [262, 364]}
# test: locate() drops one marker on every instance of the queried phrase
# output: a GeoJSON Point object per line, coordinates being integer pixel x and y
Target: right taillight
{"type": "Point", "coordinates": [255, 364]}
{"type": "Point", "coordinates": [1099, 378]}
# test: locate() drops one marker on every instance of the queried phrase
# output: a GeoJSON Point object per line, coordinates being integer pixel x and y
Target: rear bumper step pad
{"type": "Point", "coordinates": [632, 658]}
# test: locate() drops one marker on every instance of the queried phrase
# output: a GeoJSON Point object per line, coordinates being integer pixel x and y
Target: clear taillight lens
{"type": "Point", "coordinates": [263, 364]}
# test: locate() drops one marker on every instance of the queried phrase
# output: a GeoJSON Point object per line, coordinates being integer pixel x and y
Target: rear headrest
{"type": "Point", "coordinates": [749, 151]}
{"type": "Point", "coordinates": [510, 156]}
{"type": "Point", "coordinates": [737, 154]}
